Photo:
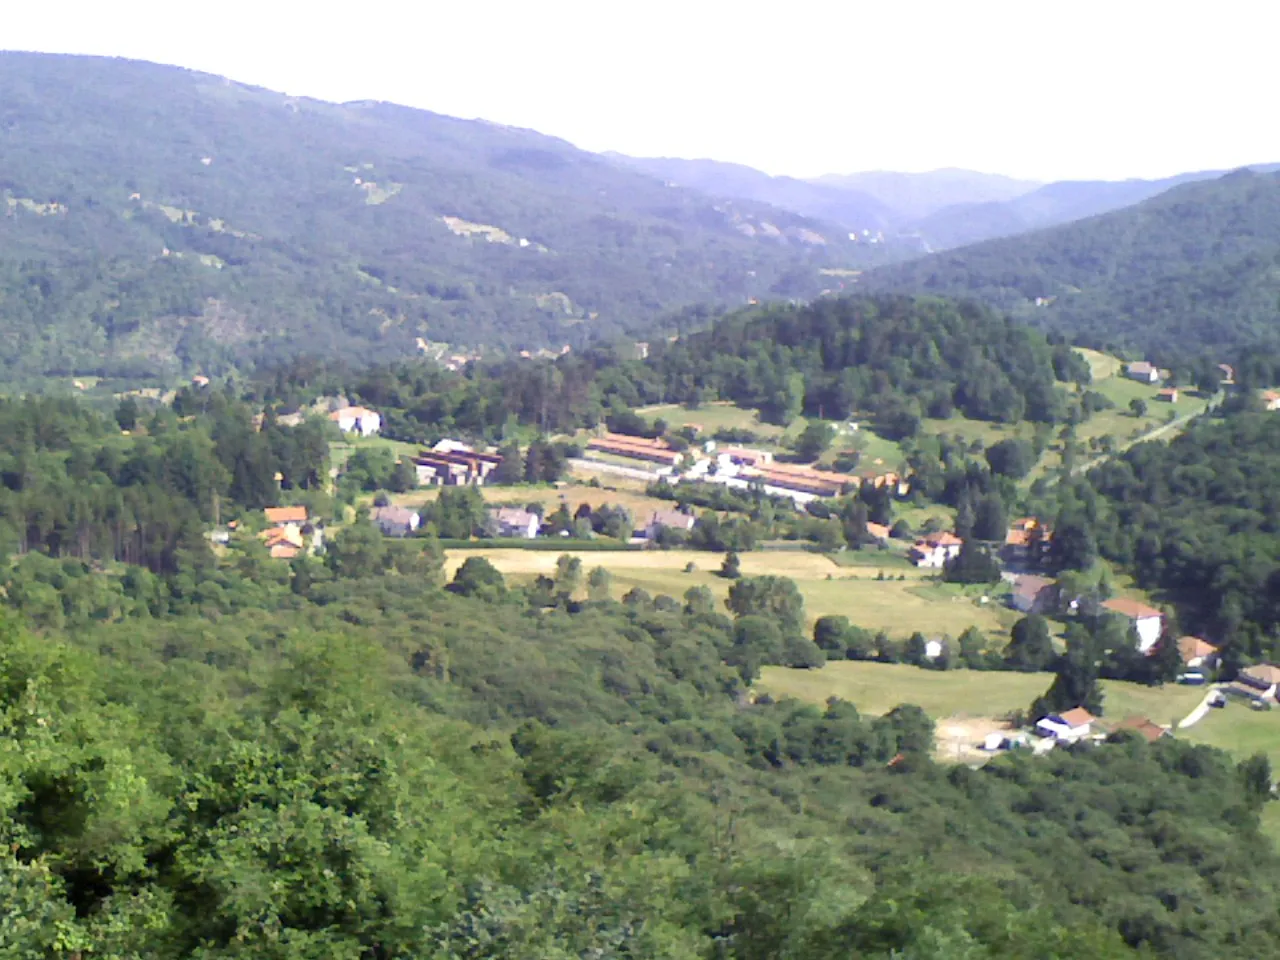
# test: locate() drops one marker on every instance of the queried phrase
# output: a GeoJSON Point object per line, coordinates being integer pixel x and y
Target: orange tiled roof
{"type": "Point", "coordinates": [286, 514]}
{"type": "Point", "coordinates": [1131, 608]}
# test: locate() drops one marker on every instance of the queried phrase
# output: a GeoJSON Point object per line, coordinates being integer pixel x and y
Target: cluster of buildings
{"type": "Point", "coordinates": [291, 531]}
{"type": "Point", "coordinates": [637, 448]}
{"type": "Point", "coordinates": [453, 464]}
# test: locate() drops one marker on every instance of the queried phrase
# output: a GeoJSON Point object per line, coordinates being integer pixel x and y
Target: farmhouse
{"type": "Point", "coordinates": [1146, 621]}
{"type": "Point", "coordinates": [1068, 726]}
{"type": "Point", "coordinates": [1271, 400]}
{"type": "Point", "coordinates": [1168, 394]}
{"type": "Point", "coordinates": [396, 521]}
{"type": "Point", "coordinates": [514, 522]}
{"type": "Point", "coordinates": [1032, 594]}
{"type": "Point", "coordinates": [1196, 652]}
{"type": "Point", "coordinates": [1027, 540]}
{"type": "Point", "coordinates": [1256, 684]}
{"type": "Point", "coordinates": [1144, 727]}
{"type": "Point", "coordinates": [664, 519]}
{"type": "Point", "coordinates": [1143, 372]}
{"type": "Point", "coordinates": [282, 516]}
{"type": "Point", "coordinates": [359, 420]}
{"type": "Point", "coordinates": [935, 550]}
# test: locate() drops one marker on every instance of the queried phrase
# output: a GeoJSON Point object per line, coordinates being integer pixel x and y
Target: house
{"type": "Point", "coordinates": [1196, 652]}
{"type": "Point", "coordinates": [1027, 540]}
{"type": "Point", "coordinates": [1271, 400]}
{"type": "Point", "coordinates": [1143, 372]}
{"type": "Point", "coordinates": [357, 420]}
{"type": "Point", "coordinates": [282, 516]}
{"type": "Point", "coordinates": [1144, 727]}
{"type": "Point", "coordinates": [1068, 726]}
{"type": "Point", "coordinates": [1032, 594]}
{"type": "Point", "coordinates": [935, 550]}
{"type": "Point", "coordinates": [396, 521]}
{"type": "Point", "coordinates": [199, 380]}
{"type": "Point", "coordinates": [667, 519]}
{"type": "Point", "coordinates": [1146, 621]}
{"type": "Point", "coordinates": [514, 522]}
{"type": "Point", "coordinates": [1257, 683]}
{"type": "Point", "coordinates": [284, 551]}
{"type": "Point", "coordinates": [1168, 394]}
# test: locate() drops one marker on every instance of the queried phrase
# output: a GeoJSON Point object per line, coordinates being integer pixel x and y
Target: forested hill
{"type": "Point", "coordinates": [1195, 268]}
{"type": "Point", "coordinates": [151, 215]}
{"type": "Point", "coordinates": [899, 358]}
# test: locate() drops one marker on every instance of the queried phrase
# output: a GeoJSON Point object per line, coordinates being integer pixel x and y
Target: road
{"type": "Point", "coordinates": [1196, 715]}
{"type": "Point", "coordinates": [1171, 427]}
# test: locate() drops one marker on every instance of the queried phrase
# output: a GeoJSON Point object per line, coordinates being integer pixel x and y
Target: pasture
{"type": "Point", "coordinates": [899, 607]}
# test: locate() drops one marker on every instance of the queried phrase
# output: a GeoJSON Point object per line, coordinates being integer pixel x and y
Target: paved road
{"type": "Point", "coordinates": [1196, 715]}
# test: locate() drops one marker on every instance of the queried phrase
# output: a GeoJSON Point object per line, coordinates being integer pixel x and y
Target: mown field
{"type": "Point", "coordinates": [876, 688]}
{"type": "Point", "coordinates": [899, 607]}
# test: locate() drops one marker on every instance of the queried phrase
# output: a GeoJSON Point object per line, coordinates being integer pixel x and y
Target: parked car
{"type": "Point", "coordinates": [1218, 700]}
{"type": "Point", "coordinates": [1192, 678]}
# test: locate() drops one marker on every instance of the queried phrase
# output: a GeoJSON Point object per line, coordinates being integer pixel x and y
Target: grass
{"type": "Point", "coordinates": [898, 607]}
{"type": "Point", "coordinates": [876, 688]}
{"type": "Point", "coordinates": [712, 417]}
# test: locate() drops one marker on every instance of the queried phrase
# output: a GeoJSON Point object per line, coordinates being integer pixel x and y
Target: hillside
{"type": "Point", "coordinates": [155, 217]}
{"type": "Point", "coordinates": [856, 209]}
{"type": "Point", "coordinates": [1195, 268]}
{"type": "Point", "coordinates": [1054, 203]}
{"type": "Point", "coordinates": [915, 195]}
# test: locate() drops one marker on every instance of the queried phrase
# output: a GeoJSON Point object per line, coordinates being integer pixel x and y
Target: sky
{"type": "Point", "coordinates": [1037, 89]}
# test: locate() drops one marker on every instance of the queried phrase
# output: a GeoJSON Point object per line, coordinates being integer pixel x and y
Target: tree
{"type": "Point", "coordinates": [1030, 645]}
{"type": "Point", "coordinates": [1012, 458]}
{"type": "Point", "coordinates": [1075, 683]}
{"type": "Point", "coordinates": [568, 574]}
{"type": "Point", "coordinates": [916, 651]}
{"type": "Point", "coordinates": [599, 582]}
{"type": "Point", "coordinates": [511, 469]}
{"type": "Point", "coordinates": [731, 567]}
{"type": "Point", "coordinates": [990, 521]}
{"type": "Point", "coordinates": [1255, 775]}
{"type": "Point", "coordinates": [972, 645]}
{"type": "Point", "coordinates": [832, 634]}
{"type": "Point", "coordinates": [1138, 407]}
{"type": "Point", "coordinates": [776, 598]}
{"type": "Point", "coordinates": [356, 552]}
{"type": "Point", "coordinates": [814, 440]}
{"type": "Point", "coordinates": [973, 564]}
{"type": "Point", "coordinates": [127, 414]}
{"type": "Point", "coordinates": [477, 577]}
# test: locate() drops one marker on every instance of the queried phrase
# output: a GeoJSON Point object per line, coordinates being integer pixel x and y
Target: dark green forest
{"type": "Point", "coordinates": [154, 219]}
{"type": "Point", "coordinates": [892, 359]}
{"type": "Point", "coordinates": [1193, 269]}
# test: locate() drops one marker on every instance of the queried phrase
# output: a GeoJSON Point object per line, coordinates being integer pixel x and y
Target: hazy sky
{"type": "Point", "coordinates": [1035, 88]}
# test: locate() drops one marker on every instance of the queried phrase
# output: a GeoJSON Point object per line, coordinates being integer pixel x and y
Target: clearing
{"type": "Point", "coordinates": [898, 607]}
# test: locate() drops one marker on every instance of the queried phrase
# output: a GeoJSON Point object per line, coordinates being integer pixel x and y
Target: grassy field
{"type": "Point", "coordinates": [712, 417]}
{"type": "Point", "coordinates": [876, 688]}
{"type": "Point", "coordinates": [899, 607]}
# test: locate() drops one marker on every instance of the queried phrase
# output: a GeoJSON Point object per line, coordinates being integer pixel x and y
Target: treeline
{"type": "Point", "coordinates": [73, 485]}
{"type": "Point", "coordinates": [895, 359]}
{"type": "Point", "coordinates": [1196, 521]}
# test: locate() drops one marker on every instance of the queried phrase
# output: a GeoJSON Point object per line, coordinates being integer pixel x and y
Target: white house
{"type": "Point", "coordinates": [1143, 372]}
{"type": "Point", "coordinates": [357, 420]}
{"type": "Point", "coordinates": [396, 521]}
{"type": "Point", "coordinates": [1069, 726]}
{"type": "Point", "coordinates": [514, 522]}
{"type": "Point", "coordinates": [1258, 683]}
{"type": "Point", "coordinates": [1147, 621]}
{"type": "Point", "coordinates": [935, 550]}
{"type": "Point", "coordinates": [661, 519]}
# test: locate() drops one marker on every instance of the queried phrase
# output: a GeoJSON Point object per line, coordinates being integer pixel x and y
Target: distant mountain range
{"type": "Point", "coordinates": [153, 218]}
{"type": "Point", "coordinates": [1194, 269]}
{"type": "Point", "coordinates": [938, 210]}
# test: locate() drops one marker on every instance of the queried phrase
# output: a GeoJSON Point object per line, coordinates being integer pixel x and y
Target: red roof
{"type": "Point", "coordinates": [1131, 608]}
{"type": "Point", "coordinates": [1193, 648]}
{"type": "Point", "coordinates": [878, 530]}
{"type": "Point", "coordinates": [1149, 729]}
{"type": "Point", "coordinates": [286, 514]}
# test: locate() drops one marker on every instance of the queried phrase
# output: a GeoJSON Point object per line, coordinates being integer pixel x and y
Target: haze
{"type": "Point", "coordinates": [1041, 91]}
